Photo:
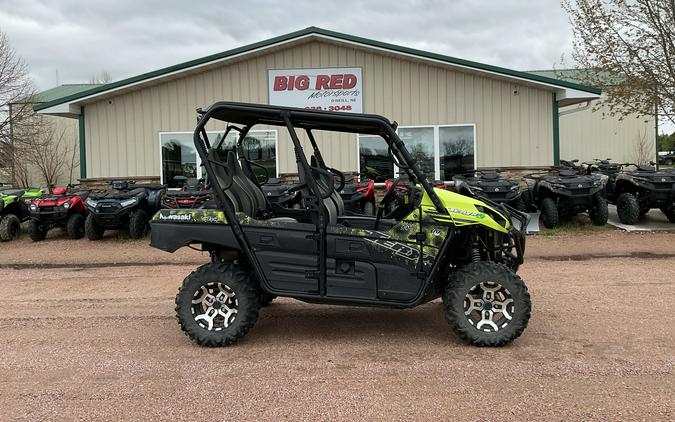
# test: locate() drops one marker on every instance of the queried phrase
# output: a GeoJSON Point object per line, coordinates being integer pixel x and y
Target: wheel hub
{"type": "Point", "coordinates": [214, 306]}
{"type": "Point", "coordinates": [489, 307]}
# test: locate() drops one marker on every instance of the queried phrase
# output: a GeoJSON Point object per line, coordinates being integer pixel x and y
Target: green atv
{"type": "Point", "coordinates": [445, 245]}
{"type": "Point", "coordinates": [14, 210]}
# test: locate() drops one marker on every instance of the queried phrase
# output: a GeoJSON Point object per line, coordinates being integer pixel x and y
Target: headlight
{"type": "Point", "coordinates": [478, 188]}
{"type": "Point", "coordinates": [91, 202]}
{"type": "Point", "coordinates": [32, 207]}
{"type": "Point", "coordinates": [66, 204]}
{"type": "Point", "coordinates": [128, 202]}
{"type": "Point", "coordinates": [514, 187]}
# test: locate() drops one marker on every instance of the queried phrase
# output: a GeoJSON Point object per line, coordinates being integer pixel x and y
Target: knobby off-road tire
{"type": "Point", "coordinates": [549, 213]}
{"type": "Point", "coordinates": [486, 304]}
{"type": "Point", "coordinates": [92, 229]}
{"type": "Point", "coordinates": [369, 208]}
{"type": "Point", "coordinates": [627, 208]}
{"type": "Point", "coordinates": [669, 212]}
{"type": "Point", "coordinates": [138, 224]}
{"type": "Point", "coordinates": [207, 298]}
{"type": "Point", "coordinates": [598, 212]}
{"type": "Point", "coordinates": [36, 231]}
{"type": "Point", "coordinates": [10, 227]}
{"type": "Point", "coordinates": [75, 226]}
{"type": "Point", "coordinates": [519, 204]}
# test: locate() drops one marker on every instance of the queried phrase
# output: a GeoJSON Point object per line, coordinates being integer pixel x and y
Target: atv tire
{"type": "Point", "coordinates": [229, 287]}
{"type": "Point", "coordinates": [519, 204]}
{"type": "Point", "coordinates": [36, 231]}
{"type": "Point", "coordinates": [627, 208]}
{"type": "Point", "coordinates": [75, 226]}
{"type": "Point", "coordinates": [598, 212]}
{"type": "Point", "coordinates": [138, 224]}
{"type": "Point", "coordinates": [369, 208]}
{"type": "Point", "coordinates": [476, 290]}
{"type": "Point", "coordinates": [669, 212]}
{"type": "Point", "coordinates": [10, 227]}
{"type": "Point", "coordinates": [92, 229]}
{"type": "Point", "coordinates": [549, 213]}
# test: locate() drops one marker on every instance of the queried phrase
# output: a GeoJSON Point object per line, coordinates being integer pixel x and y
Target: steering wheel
{"type": "Point", "coordinates": [388, 196]}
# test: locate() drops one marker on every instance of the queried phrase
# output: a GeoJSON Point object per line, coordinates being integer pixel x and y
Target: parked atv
{"type": "Point", "coordinates": [282, 194]}
{"type": "Point", "coordinates": [449, 245]}
{"type": "Point", "coordinates": [126, 207]}
{"type": "Point", "coordinates": [61, 208]}
{"type": "Point", "coordinates": [635, 189]}
{"type": "Point", "coordinates": [489, 184]}
{"type": "Point", "coordinates": [564, 193]}
{"type": "Point", "coordinates": [14, 210]}
{"type": "Point", "coordinates": [359, 196]}
{"type": "Point", "coordinates": [193, 194]}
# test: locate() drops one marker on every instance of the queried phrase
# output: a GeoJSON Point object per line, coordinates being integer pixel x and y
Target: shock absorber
{"type": "Point", "coordinates": [475, 253]}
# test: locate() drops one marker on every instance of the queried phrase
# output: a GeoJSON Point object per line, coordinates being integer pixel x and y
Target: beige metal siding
{"type": "Point", "coordinates": [511, 129]}
{"type": "Point", "coordinates": [589, 134]}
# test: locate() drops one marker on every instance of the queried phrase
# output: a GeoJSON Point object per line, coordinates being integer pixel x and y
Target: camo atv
{"type": "Point", "coordinates": [14, 210]}
{"type": "Point", "coordinates": [449, 245]}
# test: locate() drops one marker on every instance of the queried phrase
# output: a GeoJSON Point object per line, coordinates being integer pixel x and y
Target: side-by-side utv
{"type": "Point", "coordinates": [462, 249]}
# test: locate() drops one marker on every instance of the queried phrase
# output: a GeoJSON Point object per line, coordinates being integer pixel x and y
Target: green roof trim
{"type": "Point", "coordinates": [324, 32]}
{"type": "Point", "coordinates": [62, 91]}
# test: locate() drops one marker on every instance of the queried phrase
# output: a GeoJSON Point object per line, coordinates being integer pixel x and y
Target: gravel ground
{"type": "Point", "coordinates": [84, 337]}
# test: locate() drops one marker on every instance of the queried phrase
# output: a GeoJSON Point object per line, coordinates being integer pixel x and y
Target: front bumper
{"type": "Point", "coordinates": [50, 215]}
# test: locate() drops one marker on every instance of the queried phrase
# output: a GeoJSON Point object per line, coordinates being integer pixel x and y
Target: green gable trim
{"type": "Point", "coordinates": [83, 145]}
{"type": "Point", "coordinates": [62, 91]}
{"type": "Point", "coordinates": [556, 131]}
{"type": "Point", "coordinates": [327, 33]}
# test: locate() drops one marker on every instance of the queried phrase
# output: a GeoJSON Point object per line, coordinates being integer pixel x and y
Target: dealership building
{"type": "Point", "coordinates": [453, 114]}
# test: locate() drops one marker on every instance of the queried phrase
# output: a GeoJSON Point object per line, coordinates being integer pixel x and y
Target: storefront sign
{"type": "Point", "coordinates": [332, 89]}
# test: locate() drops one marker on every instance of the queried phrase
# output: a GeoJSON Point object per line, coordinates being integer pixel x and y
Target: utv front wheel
{"type": "Point", "coordinates": [75, 226]}
{"type": "Point", "coordinates": [669, 212]}
{"type": "Point", "coordinates": [10, 227]}
{"type": "Point", "coordinates": [138, 224]}
{"type": "Point", "coordinates": [598, 211]}
{"type": "Point", "coordinates": [627, 208]}
{"type": "Point", "coordinates": [486, 304]}
{"type": "Point", "coordinates": [549, 213]}
{"type": "Point", "coordinates": [93, 230]}
{"type": "Point", "coordinates": [36, 231]}
{"type": "Point", "coordinates": [217, 304]}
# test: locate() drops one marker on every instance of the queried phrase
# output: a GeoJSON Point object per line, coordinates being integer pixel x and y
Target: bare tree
{"type": "Point", "coordinates": [102, 77]}
{"type": "Point", "coordinates": [628, 47]}
{"type": "Point", "coordinates": [643, 149]}
{"type": "Point", "coordinates": [16, 93]}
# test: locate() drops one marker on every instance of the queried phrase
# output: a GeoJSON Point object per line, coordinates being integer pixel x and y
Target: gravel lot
{"type": "Point", "coordinates": [88, 331]}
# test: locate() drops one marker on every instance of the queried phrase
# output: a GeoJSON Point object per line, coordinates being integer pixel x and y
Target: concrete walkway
{"type": "Point", "coordinates": [653, 221]}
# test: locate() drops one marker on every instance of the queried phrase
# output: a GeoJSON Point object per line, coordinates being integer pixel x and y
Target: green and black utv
{"type": "Point", "coordinates": [462, 249]}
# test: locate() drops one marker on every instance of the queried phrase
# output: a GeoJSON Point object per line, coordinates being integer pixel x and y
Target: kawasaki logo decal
{"type": "Point", "coordinates": [469, 213]}
{"type": "Point", "coordinates": [175, 217]}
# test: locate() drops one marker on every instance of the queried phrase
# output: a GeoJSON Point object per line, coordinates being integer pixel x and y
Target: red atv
{"type": "Point", "coordinates": [359, 196]}
{"type": "Point", "coordinates": [61, 208]}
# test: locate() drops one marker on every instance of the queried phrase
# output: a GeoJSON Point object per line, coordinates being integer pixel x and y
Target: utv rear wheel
{"type": "Point", "coordinates": [138, 224]}
{"type": "Point", "coordinates": [217, 304]}
{"type": "Point", "coordinates": [598, 211]}
{"type": "Point", "coordinates": [486, 304]}
{"type": "Point", "coordinates": [36, 231]}
{"type": "Point", "coordinates": [10, 227]}
{"type": "Point", "coordinates": [92, 229]}
{"type": "Point", "coordinates": [549, 213]}
{"type": "Point", "coordinates": [369, 208]}
{"type": "Point", "coordinates": [75, 226]}
{"type": "Point", "coordinates": [669, 212]}
{"type": "Point", "coordinates": [627, 208]}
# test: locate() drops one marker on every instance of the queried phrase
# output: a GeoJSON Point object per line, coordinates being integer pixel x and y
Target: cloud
{"type": "Point", "coordinates": [81, 38]}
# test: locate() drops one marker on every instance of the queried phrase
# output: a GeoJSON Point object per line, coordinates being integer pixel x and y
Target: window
{"type": "Point", "coordinates": [440, 151]}
{"type": "Point", "coordinates": [179, 157]}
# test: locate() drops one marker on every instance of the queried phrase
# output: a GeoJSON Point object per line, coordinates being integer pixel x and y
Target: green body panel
{"type": "Point", "coordinates": [463, 211]}
{"type": "Point", "coordinates": [28, 194]}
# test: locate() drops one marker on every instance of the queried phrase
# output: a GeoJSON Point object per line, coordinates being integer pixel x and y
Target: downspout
{"type": "Point", "coordinates": [83, 148]}
{"type": "Point", "coordinates": [11, 143]}
{"type": "Point", "coordinates": [656, 130]}
{"type": "Point", "coordinates": [556, 130]}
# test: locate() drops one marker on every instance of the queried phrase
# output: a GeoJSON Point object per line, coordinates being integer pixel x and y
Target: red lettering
{"type": "Point", "coordinates": [302, 82]}
{"type": "Point", "coordinates": [280, 83]}
{"type": "Point", "coordinates": [291, 80]}
{"type": "Point", "coordinates": [322, 82]}
{"type": "Point", "coordinates": [349, 81]}
{"type": "Point", "coordinates": [336, 81]}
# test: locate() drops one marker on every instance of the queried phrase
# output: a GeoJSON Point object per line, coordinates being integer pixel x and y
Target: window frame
{"type": "Point", "coordinates": [215, 133]}
{"type": "Point", "coordinates": [437, 147]}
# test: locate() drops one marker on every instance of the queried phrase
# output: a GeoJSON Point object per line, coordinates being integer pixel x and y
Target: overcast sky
{"type": "Point", "coordinates": [128, 37]}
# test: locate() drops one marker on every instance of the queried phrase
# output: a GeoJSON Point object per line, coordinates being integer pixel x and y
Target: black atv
{"type": "Point", "coordinates": [126, 207]}
{"type": "Point", "coordinates": [282, 193]}
{"type": "Point", "coordinates": [564, 193]}
{"type": "Point", "coordinates": [451, 246]}
{"type": "Point", "coordinates": [193, 194]}
{"type": "Point", "coordinates": [636, 189]}
{"type": "Point", "coordinates": [491, 185]}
